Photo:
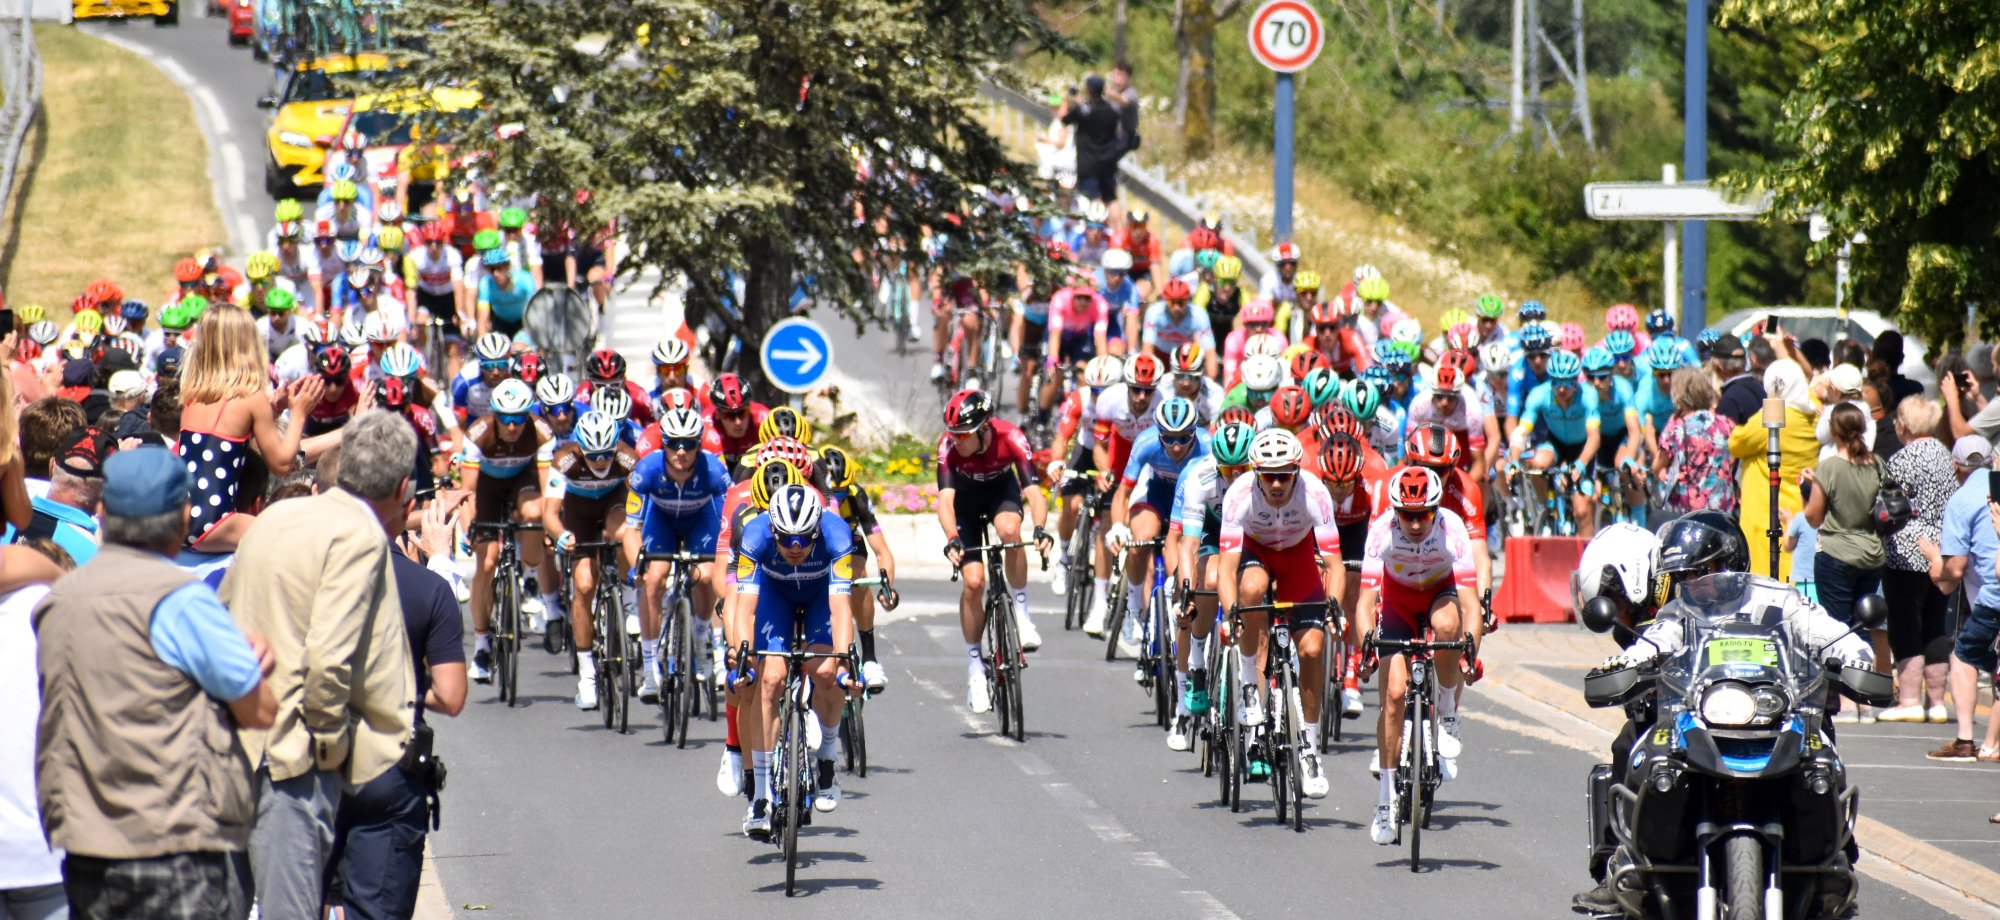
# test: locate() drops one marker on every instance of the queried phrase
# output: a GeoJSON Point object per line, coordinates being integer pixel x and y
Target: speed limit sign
{"type": "Point", "coordinates": [1285, 35]}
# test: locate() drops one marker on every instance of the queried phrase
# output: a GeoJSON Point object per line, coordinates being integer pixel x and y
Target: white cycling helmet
{"type": "Point", "coordinates": [1276, 449]}
{"type": "Point", "coordinates": [352, 333]}
{"type": "Point", "coordinates": [1096, 212]}
{"type": "Point", "coordinates": [400, 360]}
{"type": "Point", "coordinates": [1620, 560]}
{"type": "Point", "coordinates": [1268, 344]}
{"type": "Point", "coordinates": [493, 346]}
{"type": "Point", "coordinates": [1103, 371]}
{"type": "Point", "coordinates": [596, 433]}
{"type": "Point", "coordinates": [794, 510]}
{"type": "Point", "coordinates": [681, 423]}
{"type": "Point", "coordinates": [1116, 260]}
{"type": "Point", "coordinates": [612, 401]}
{"type": "Point", "coordinates": [1263, 373]}
{"type": "Point", "coordinates": [670, 352]}
{"type": "Point", "coordinates": [556, 390]}
{"type": "Point", "coordinates": [1494, 357]}
{"type": "Point", "coordinates": [512, 397]}
{"type": "Point", "coordinates": [1364, 271]}
{"type": "Point", "coordinates": [376, 329]}
{"type": "Point", "coordinates": [1407, 330]}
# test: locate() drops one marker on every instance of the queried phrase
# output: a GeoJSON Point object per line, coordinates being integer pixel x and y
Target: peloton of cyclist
{"type": "Point", "coordinates": [586, 503]}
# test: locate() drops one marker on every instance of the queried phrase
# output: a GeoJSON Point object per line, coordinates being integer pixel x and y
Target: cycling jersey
{"type": "Point", "coordinates": [649, 441]}
{"type": "Point", "coordinates": [1116, 425]}
{"type": "Point", "coordinates": [1086, 250]}
{"type": "Point", "coordinates": [1277, 290]}
{"type": "Point", "coordinates": [1207, 401]}
{"type": "Point", "coordinates": [277, 341]}
{"type": "Point", "coordinates": [574, 474]}
{"type": "Point", "coordinates": [434, 276]}
{"type": "Point", "coordinates": [1164, 333]}
{"type": "Point", "coordinates": [1247, 518]}
{"type": "Point", "coordinates": [1462, 497]}
{"type": "Point", "coordinates": [780, 587]}
{"type": "Point", "coordinates": [1197, 508]}
{"type": "Point", "coordinates": [1368, 496]}
{"type": "Point", "coordinates": [1120, 301]}
{"type": "Point", "coordinates": [1078, 311]}
{"type": "Point", "coordinates": [1143, 245]}
{"type": "Point", "coordinates": [499, 459]}
{"type": "Point", "coordinates": [698, 496]}
{"type": "Point", "coordinates": [1613, 410]}
{"type": "Point", "coordinates": [1345, 355]}
{"type": "Point", "coordinates": [1520, 381]}
{"type": "Point", "coordinates": [1652, 403]}
{"type": "Point", "coordinates": [642, 401]}
{"type": "Point", "coordinates": [1150, 456]}
{"type": "Point", "coordinates": [1004, 455]}
{"type": "Point", "coordinates": [1070, 417]}
{"type": "Point", "coordinates": [471, 397]}
{"type": "Point", "coordinates": [732, 449]}
{"type": "Point", "coordinates": [1411, 575]}
{"type": "Point", "coordinates": [1570, 424]}
{"type": "Point", "coordinates": [1467, 418]}
{"type": "Point", "coordinates": [506, 303]}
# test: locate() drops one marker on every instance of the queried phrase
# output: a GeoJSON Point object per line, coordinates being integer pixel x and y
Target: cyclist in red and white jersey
{"type": "Point", "coordinates": [1073, 449]}
{"type": "Point", "coordinates": [1452, 402]}
{"type": "Point", "coordinates": [1353, 475]}
{"type": "Point", "coordinates": [1417, 569]}
{"type": "Point", "coordinates": [1438, 449]}
{"type": "Point", "coordinates": [1122, 413]}
{"type": "Point", "coordinates": [1279, 538]}
{"type": "Point", "coordinates": [986, 470]}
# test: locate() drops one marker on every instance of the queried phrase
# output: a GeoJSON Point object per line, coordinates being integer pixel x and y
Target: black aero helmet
{"type": "Point", "coordinates": [1702, 542]}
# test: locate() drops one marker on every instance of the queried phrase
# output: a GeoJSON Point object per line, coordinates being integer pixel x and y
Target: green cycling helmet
{"type": "Point", "coordinates": [1361, 398]}
{"type": "Point", "coordinates": [1231, 444]}
{"type": "Point", "coordinates": [280, 300]}
{"type": "Point", "coordinates": [1490, 306]}
{"type": "Point", "coordinates": [486, 239]}
{"type": "Point", "coordinates": [1372, 289]}
{"type": "Point", "coordinates": [290, 209]}
{"type": "Point", "coordinates": [1410, 350]}
{"type": "Point", "coordinates": [1322, 386]}
{"type": "Point", "coordinates": [513, 218]}
{"type": "Point", "coordinates": [1206, 259]}
{"type": "Point", "coordinates": [182, 314]}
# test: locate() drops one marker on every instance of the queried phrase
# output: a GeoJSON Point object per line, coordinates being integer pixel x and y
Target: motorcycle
{"type": "Point", "coordinates": [1731, 803]}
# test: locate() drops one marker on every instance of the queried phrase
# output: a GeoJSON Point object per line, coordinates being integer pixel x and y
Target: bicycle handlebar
{"type": "Point", "coordinates": [689, 558]}
{"type": "Point", "coordinates": [1419, 646]}
{"type": "Point", "coordinates": [504, 526]}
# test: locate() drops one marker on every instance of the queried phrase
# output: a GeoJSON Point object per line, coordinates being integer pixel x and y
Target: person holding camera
{"type": "Point", "coordinates": [1966, 407]}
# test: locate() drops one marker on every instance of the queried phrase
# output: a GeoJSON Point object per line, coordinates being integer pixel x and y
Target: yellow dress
{"type": "Point", "coordinates": [1798, 450]}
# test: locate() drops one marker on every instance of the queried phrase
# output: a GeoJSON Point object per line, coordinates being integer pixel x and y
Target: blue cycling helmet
{"type": "Point", "coordinates": [494, 257]}
{"type": "Point", "coordinates": [1659, 322]}
{"type": "Point", "coordinates": [1535, 338]}
{"type": "Point", "coordinates": [1665, 353]}
{"type": "Point", "coordinates": [1620, 344]}
{"type": "Point", "coordinates": [348, 250]}
{"type": "Point", "coordinates": [1175, 415]}
{"type": "Point", "coordinates": [1563, 365]}
{"type": "Point", "coordinates": [1597, 361]}
{"type": "Point", "coordinates": [1705, 342]}
{"type": "Point", "coordinates": [1378, 375]}
{"type": "Point", "coordinates": [400, 360]}
{"type": "Point", "coordinates": [1533, 311]}
{"type": "Point", "coordinates": [343, 171]}
{"type": "Point", "coordinates": [1386, 351]}
{"type": "Point", "coordinates": [134, 311]}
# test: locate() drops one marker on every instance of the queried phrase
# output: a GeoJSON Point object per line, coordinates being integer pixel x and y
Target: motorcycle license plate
{"type": "Point", "coordinates": [1760, 652]}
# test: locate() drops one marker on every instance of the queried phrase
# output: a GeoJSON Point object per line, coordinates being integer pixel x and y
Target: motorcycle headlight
{"type": "Point", "coordinates": [294, 139]}
{"type": "Point", "coordinates": [1728, 705]}
{"type": "Point", "coordinates": [1771, 702]}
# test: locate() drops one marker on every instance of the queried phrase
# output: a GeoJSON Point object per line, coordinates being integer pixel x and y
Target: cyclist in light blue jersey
{"type": "Point", "coordinates": [1653, 396]}
{"type": "Point", "coordinates": [1617, 411]}
{"type": "Point", "coordinates": [1531, 371]}
{"type": "Point", "coordinates": [1566, 415]}
{"type": "Point", "coordinates": [1158, 456]}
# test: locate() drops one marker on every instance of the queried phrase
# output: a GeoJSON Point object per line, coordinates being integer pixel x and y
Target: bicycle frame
{"type": "Point", "coordinates": [506, 610]}
{"type": "Point", "coordinates": [677, 681]}
{"type": "Point", "coordinates": [1284, 730]}
{"type": "Point", "coordinates": [1418, 772]}
{"type": "Point", "coordinates": [792, 771]}
{"type": "Point", "coordinates": [616, 674]}
{"type": "Point", "coordinates": [1004, 658]}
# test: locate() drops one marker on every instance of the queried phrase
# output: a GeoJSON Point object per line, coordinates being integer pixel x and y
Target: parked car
{"type": "Point", "coordinates": [307, 116]}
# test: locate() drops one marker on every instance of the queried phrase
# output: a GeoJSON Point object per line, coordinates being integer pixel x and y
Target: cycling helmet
{"type": "Point", "coordinates": [1096, 212]}
{"type": "Point", "coordinates": [1276, 449]}
{"type": "Point", "coordinates": [289, 231]}
{"type": "Point", "coordinates": [1325, 313]}
{"type": "Point", "coordinates": [1238, 415]}
{"type": "Point", "coordinates": [1535, 339]}
{"type": "Point", "coordinates": [1495, 357]}
{"type": "Point", "coordinates": [1432, 445]}
{"type": "Point", "coordinates": [1462, 337]}
{"type": "Point", "coordinates": [1231, 444]}
{"type": "Point", "coordinates": [1137, 216]}
{"type": "Point", "coordinates": [785, 421]}
{"type": "Point", "coordinates": [794, 511]}
{"type": "Point", "coordinates": [1341, 458]}
{"type": "Point", "coordinates": [1306, 281]}
{"type": "Point", "coordinates": [332, 362]}
{"type": "Point", "coordinates": [1620, 344]}
{"type": "Point", "coordinates": [134, 311]}
{"type": "Point", "coordinates": [968, 411]}
{"type": "Point", "coordinates": [1571, 338]}
{"type": "Point", "coordinates": [1259, 312]}
{"type": "Point", "coordinates": [1659, 322]}
{"type": "Point", "coordinates": [1365, 271]}
{"type": "Point", "coordinates": [1269, 344]}
{"type": "Point", "coordinates": [1263, 373]}
{"type": "Point", "coordinates": [1290, 406]}
{"type": "Point", "coordinates": [1705, 342]}
{"type": "Point", "coordinates": [1597, 361]}
{"type": "Point", "coordinates": [787, 451]}
{"type": "Point", "coordinates": [1453, 317]}
{"type": "Point", "coordinates": [678, 398]}
{"type": "Point", "coordinates": [726, 393]}
{"type": "Point", "coordinates": [179, 315]}
{"type": "Point", "coordinates": [1228, 268]}
{"type": "Point", "coordinates": [1203, 239]}
{"type": "Point", "coordinates": [1564, 365]}
{"type": "Point", "coordinates": [400, 360]}
{"type": "Point", "coordinates": [1387, 353]}
{"type": "Point", "coordinates": [1322, 386]}
{"type": "Point", "coordinates": [389, 212]}
{"type": "Point", "coordinates": [1407, 330]}
{"type": "Point", "coordinates": [390, 239]}
{"type": "Point", "coordinates": [485, 240]}
{"type": "Point", "coordinates": [513, 218]}
{"type": "Point", "coordinates": [1102, 371]}
{"type": "Point", "coordinates": [1618, 561]}
{"type": "Point", "coordinates": [1448, 380]}
{"type": "Point", "coordinates": [345, 190]}
{"type": "Point", "coordinates": [597, 433]}
{"type": "Point", "coordinates": [1176, 289]}
{"type": "Point", "coordinates": [1665, 353]}
{"type": "Point", "coordinates": [1116, 260]}
{"type": "Point", "coordinates": [1175, 415]}
{"type": "Point", "coordinates": [512, 397]}
{"type": "Point", "coordinates": [260, 265]}
{"type": "Point", "coordinates": [833, 461]}
{"type": "Point", "coordinates": [493, 346]}
{"type": "Point", "coordinates": [288, 210]}
{"type": "Point", "coordinates": [43, 332]}
{"type": "Point", "coordinates": [187, 271]}
{"type": "Point", "coordinates": [352, 140]}
{"type": "Point", "coordinates": [605, 364]}
{"type": "Point", "coordinates": [670, 352]}
{"type": "Point", "coordinates": [1206, 260]}
{"type": "Point", "coordinates": [555, 390]}
{"type": "Point", "coordinates": [114, 325]}
{"type": "Point", "coordinates": [1285, 252]}
{"type": "Point", "coordinates": [1533, 311]}
{"type": "Point", "coordinates": [612, 401]}
{"type": "Point", "coordinates": [1362, 398]}
{"type": "Point", "coordinates": [1189, 359]}
{"type": "Point", "coordinates": [376, 330]}
{"type": "Point", "coordinates": [681, 423]}
{"type": "Point", "coordinates": [1462, 361]}
{"type": "Point", "coordinates": [89, 322]}
{"type": "Point", "coordinates": [1307, 361]}
{"type": "Point", "coordinates": [771, 475]}
{"type": "Point", "coordinates": [1416, 488]}
{"type": "Point", "coordinates": [1701, 542]}
{"type": "Point", "coordinates": [1621, 316]}
{"type": "Point", "coordinates": [1374, 289]}
{"type": "Point", "coordinates": [496, 258]}
{"type": "Point", "coordinates": [1142, 371]}
{"type": "Point", "coordinates": [1489, 306]}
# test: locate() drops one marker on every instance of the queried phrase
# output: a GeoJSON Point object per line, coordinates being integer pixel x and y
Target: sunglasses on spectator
{"type": "Point", "coordinates": [796, 541]}
{"type": "Point", "coordinates": [517, 418]}
{"type": "Point", "coordinates": [683, 444]}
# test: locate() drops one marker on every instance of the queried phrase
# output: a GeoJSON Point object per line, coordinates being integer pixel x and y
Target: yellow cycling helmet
{"type": "Point", "coordinates": [389, 239]}
{"type": "Point", "coordinates": [1228, 268]}
{"type": "Point", "coordinates": [1305, 281]}
{"type": "Point", "coordinates": [767, 479]}
{"type": "Point", "coordinates": [838, 468]}
{"type": "Point", "coordinates": [289, 209]}
{"type": "Point", "coordinates": [345, 190]}
{"type": "Point", "coordinates": [1453, 317]}
{"type": "Point", "coordinates": [785, 421]}
{"type": "Point", "coordinates": [89, 322]}
{"type": "Point", "coordinates": [1372, 289]}
{"type": "Point", "coordinates": [261, 265]}
{"type": "Point", "coordinates": [30, 314]}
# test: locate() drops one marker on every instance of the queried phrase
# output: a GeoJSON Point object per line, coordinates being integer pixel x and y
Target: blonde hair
{"type": "Point", "coordinates": [1920, 416]}
{"type": "Point", "coordinates": [1692, 391]}
{"type": "Point", "coordinates": [227, 360]}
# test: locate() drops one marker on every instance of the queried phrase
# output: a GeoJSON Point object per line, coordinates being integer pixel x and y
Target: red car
{"type": "Point", "coordinates": [242, 21]}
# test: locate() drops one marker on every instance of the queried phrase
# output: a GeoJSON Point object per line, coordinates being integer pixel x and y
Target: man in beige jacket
{"type": "Point", "coordinates": [313, 575]}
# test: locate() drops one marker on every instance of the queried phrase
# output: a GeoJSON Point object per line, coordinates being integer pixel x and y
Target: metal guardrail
{"type": "Point", "coordinates": [1150, 185]}
{"type": "Point", "coordinates": [21, 74]}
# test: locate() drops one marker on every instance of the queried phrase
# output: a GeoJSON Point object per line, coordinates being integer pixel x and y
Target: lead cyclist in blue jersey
{"type": "Point", "coordinates": [1158, 456]}
{"type": "Point", "coordinates": [1653, 396]}
{"type": "Point", "coordinates": [677, 491]}
{"type": "Point", "coordinates": [1567, 416]}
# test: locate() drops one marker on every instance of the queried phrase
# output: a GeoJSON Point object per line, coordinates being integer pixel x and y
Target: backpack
{"type": "Point", "coordinates": [1891, 511]}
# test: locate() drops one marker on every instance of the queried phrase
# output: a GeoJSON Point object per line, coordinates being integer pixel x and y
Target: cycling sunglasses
{"type": "Point", "coordinates": [1601, 375]}
{"type": "Point", "coordinates": [1409, 516]}
{"type": "Point", "coordinates": [682, 444]}
{"type": "Point", "coordinates": [514, 418]}
{"type": "Point", "coordinates": [796, 541]}
{"type": "Point", "coordinates": [560, 410]}
{"type": "Point", "coordinates": [734, 415]}
{"type": "Point", "coordinates": [1231, 472]}
{"type": "Point", "coordinates": [601, 457]}
{"type": "Point", "coordinates": [499, 365]}
{"type": "Point", "coordinates": [1275, 479]}
{"type": "Point", "coordinates": [1177, 440]}
{"type": "Point", "coordinates": [1131, 390]}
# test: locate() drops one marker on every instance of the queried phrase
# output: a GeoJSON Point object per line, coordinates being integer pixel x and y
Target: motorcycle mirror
{"type": "Point", "coordinates": [1599, 614]}
{"type": "Point", "coordinates": [1871, 611]}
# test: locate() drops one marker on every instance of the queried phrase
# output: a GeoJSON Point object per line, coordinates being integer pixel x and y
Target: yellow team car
{"type": "Point", "coordinates": [307, 117]}
{"type": "Point", "coordinates": [402, 144]}
{"type": "Point", "coordinates": [164, 12]}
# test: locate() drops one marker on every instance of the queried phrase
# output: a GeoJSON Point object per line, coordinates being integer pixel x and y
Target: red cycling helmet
{"type": "Point", "coordinates": [1465, 362]}
{"type": "Point", "coordinates": [331, 361]}
{"type": "Point", "coordinates": [104, 292]}
{"type": "Point", "coordinates": [1203, 238]}
{"type": "Point", "coordinates": [1339, 420]}
{"type": "Point", "coordinates": [1326, 313]}
{"type": "Point", "coordinates": [83, 304]}
{"type": "Point", "coordinates": [530, 367]}
{"type": "Point", "coordinates": [1448, 381]}
{"type": "Point", "coordinates": [1236, 415]}
{"type": "Point", "coordinates": [1306, 362]}
{"type": "Point", "coordinates": [1176, 289]}
{"type": "Point", "coordinates": [1341, 458]}
{"type": "Point", "coordinates": [606, 364]}
{"type": "Point", "coordinates": [678, 398]}
{"type": "Point", "coordinates": [1415, 489]}
{"type": "Point", "coordinates": [1189, 359]}
{"type": "Point", "coordinates": [1143, 371]}
{"type": "Point", "coordinates": [1290, 406]}
{"type": "Point", "coordinates": [727, 393]}
{"type": "Point", "coordinates": [790, 450]}
{"type": "Point", "coordinates": [187, 271]}
{"type": "Point", "coordinates": [968, 411]}
{"type": "Point", "coordinates": [395, 393]}
{"type": "Point", "coordinates": [1431, 445]}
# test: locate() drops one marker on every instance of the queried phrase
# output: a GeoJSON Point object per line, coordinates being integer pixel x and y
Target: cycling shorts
{"type": "Point", "coordinates": [1608, 445]}
{"type": "Point", "coordinates": [776, 614]}
{"type": "Point", "coordinates": [1159, 496]}
{"type": "Point", "coordinates": [1211, 536]}
{"type": "Point", "coordinates": [1294, 573]}
{"type": "Point", "coordinates": [1565, 453]}
{"type": "Point", "coordinates": [694, 533]}
{"type": "Point", "coordinates": [1034, 339]}
{"type": "Point", "coordinates": [495, 498]}
{"type": "Point", "coordinates": [443, 308]}
{"type": "Point", "coordinates": [584, 516]}
{"type": "Point", "coordinates": [1406, 611]}
{"type": "Point", "coordinates": [1081, 461]}
{"type": "Point", "coordinates": [977, 503]}
{"type": "Point", "coordinates": [504, 326]}
{"type": "Point", "coordinates": [1353, 541]}
{"type": "Point", "coordinates": [1076, 347]}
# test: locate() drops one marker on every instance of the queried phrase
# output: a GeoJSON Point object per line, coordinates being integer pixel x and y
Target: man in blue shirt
{"type": "Point", "coordinates": [67, 515]}
{"type": "Point", "coordinates": [1968, 553]}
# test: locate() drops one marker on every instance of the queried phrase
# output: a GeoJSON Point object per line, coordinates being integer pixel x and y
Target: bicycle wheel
{"type": "Point", "coordinates": [507, 650]}
{"type": "Point", "coordinates": [1295, 748]}
{"type": "Point", "coordinates": [1082, 587]}
{"type": "Point", "coordinates": [1114, 623]}
{"type": "Point", "coordinates": [793, 779]}
{"type": "Point", "coordinates": [1414, 765]}
{"type": "Point", "coordinates": [610, 657]}
{"type": "Point", "coordinates": [1162, 650]}
{"type": "Point", "coordinates": [630, 663]}
{"type": "Point", "coordinates": [672, 651]}
{"type": "Point", "coordinates": [684, 677]}
{"type": "Point", "coordinates": [1016, 701]}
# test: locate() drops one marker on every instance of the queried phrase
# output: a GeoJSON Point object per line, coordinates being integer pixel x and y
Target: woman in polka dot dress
{"type": "Point", "coordinates": [230, 410]}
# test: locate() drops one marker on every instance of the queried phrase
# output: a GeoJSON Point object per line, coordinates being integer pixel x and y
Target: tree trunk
{"type": "Point", "coordinates": [1181, 78]}
{"type": "Point", "coordinates": [1197, 38]}
{"type": "Point", "coordinates": [767, 290]}
{"type": "Point", "coordinates": [1118, 25]}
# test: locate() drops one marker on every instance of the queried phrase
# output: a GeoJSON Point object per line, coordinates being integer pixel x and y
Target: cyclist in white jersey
{"type": "Point", "coordinates": [1197, 518]}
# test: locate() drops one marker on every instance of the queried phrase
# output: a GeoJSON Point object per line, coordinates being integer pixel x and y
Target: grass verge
{"type": "Point", "coordinates": [114, 182]}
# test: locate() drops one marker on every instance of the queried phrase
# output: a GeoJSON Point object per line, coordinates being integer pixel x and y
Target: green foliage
{"type": "Point", "coordinates": [1891, 130]}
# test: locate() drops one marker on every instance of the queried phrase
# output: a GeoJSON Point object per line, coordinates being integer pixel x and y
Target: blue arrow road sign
{"type": "Point", "coordinates": [796, 355]}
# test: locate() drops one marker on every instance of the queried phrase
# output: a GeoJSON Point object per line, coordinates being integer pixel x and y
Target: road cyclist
{"type": "Point", "coordinates": [504, 460]}
{"type": "Point", "coordinates": [680, 490]}
{"type": "Point", "coordinates": [585, 503]}
{"type": "Point", "coordinates": [1158, 459]}
{"type": "Point", "coordinates": [1197, 522]}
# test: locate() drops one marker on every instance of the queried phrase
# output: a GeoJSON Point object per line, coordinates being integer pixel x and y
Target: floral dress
{"type": "Point", "coordinates": [1700, 473]}
{"type": "Point", "coordinates": [1924, 469]}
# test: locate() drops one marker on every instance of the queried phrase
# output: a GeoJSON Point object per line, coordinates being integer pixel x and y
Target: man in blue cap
{"type": "Point", "coordinates": [145, 679]}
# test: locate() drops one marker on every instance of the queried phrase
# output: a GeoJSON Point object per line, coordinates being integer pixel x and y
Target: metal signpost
{"type": "Point", "coordinates": [796, 355]}
{"type": "Point", "coordinates": [1285, 35]}
{"type": "Point", "coordinates": [1675, 204]}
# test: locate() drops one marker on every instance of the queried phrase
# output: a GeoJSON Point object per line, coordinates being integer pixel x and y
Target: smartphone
{"type": "Point", "coordinates": [1771, 325]}
{"type": "Point", "coordinates": [6, 322]}
{"type": "Point", "coordinates": [1805, 490]}
{"type": "Point", "coordinates": [1993, 486]}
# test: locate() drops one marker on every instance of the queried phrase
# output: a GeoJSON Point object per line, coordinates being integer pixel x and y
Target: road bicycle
{"type": "Point", "coordinates": [507, 614]}
{"type": "Point", "coordinates": [1331, 718]}
{"type": "Point", "coordinates": [560, 636]}
{"type": "Point", "coordinates": [681, 689]}
{"type": "Point", "coordinates": [1082, 588]}
{"type": "Point", "coordinates": [617, 667]}
{"type": "Point", "coordinates": [1225, 750]}
{"type": "Point", "coordinates": [1204, 728]}
{"type": "Point", "coordinates": [1614, 485]}
{"type": "Point", "coordinates": [1154, 665]}
{"type": "Point", "coordinates": [1004, 659]}
{"type": "Point", "coordinates": [794, 774]}
{"type": "Point", "coordinates": [1538, 502]}
{"type": "Point", "coordinates": [1281, 741]}
{"type": "Point", "coordinates": [1418, 772]}
{"type": "Point", "coordinates": [853, 720]}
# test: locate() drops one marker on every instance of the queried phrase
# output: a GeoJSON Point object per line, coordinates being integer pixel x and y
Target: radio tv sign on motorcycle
{"type": "Point", "coordinates": [796, 355]}
{"type": "Point", "coordinates": [1285, 35]}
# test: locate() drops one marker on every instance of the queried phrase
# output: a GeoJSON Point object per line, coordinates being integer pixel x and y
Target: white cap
{"type": "Point", "coordinates": [127, 384]}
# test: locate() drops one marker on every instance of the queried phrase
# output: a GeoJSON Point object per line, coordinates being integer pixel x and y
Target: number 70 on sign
{"type": "Point", "coordinates": [1285, 35]}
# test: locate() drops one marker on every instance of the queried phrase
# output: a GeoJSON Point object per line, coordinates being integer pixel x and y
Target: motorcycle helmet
{"type": "Point", "coordinates": [1699, 543]}
{"type": "Point", "coordinates": [1618, 562]}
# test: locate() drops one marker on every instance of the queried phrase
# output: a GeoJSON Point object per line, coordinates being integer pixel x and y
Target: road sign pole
{"type": "Point", "coordinates": [1694, 165]}
{"type": "Point", "coordinates": [1671, 264]}
{"type": "Point", "coordinates": [1281, 192]}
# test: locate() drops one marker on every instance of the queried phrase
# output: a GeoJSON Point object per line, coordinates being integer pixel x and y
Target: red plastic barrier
{"type": "Point", "coordinates": [1536, 586]}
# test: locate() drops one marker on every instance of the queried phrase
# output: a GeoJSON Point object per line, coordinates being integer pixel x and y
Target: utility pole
{"type": "Point", "coordinates": [1534, 87]}
{"type": "Point", "coordinates": [1517, 105]}
{"type": "Point", "coordinates": [1694, 166]}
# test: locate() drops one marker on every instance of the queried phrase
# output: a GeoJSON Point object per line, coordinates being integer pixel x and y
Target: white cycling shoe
{"type": "Point", "coordinates": [1178, 738]}
{"type": "Point", "coordinates": [1313, 775]}
{"type": "Point", "coordinates": [586, 692]}
{"type": "Point", "coordinates": [1350, 702]}
{"type": "Point", "coordinates": [1093, 624]}
{"type": "Point", "coordinates": [1059, 579]}
{"type": "Point", "coordinates": [1251, 713]}
{"type": "Point", "coordinates": [729, 776]}
{"type": "Point", "coordinates": [1382, 829]}
{"type": "Point", "coordinates": [827, 797]}
{"type": "Point", "coordinates": [1448, 743]}
{"type": "Point", "coordinates": [1031, 638]}
{"type": "Point", "coordinates": [977, 698]}
{"type": "Point", "coordinates": [874, 676]}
